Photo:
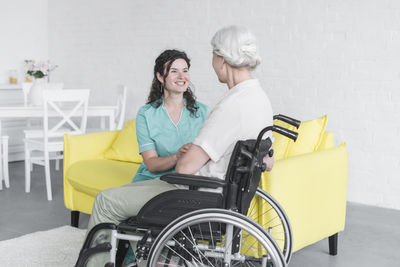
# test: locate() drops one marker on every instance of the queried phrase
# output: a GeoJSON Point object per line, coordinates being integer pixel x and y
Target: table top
{"type": "Point", "coordinates": [20, 111]}
{"type": "Point", "coordinates": [37, 111]}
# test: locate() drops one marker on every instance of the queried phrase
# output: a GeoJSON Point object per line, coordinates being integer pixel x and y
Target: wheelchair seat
{"type": "Point", "coordinates": [166, 207]}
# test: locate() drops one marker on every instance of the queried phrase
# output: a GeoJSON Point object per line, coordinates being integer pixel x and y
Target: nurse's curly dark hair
{"type": "Point", "coordinates": [162, 65]}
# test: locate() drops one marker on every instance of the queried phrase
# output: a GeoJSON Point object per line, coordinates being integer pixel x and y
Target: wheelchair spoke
{"type": "Point", "coordinates": [253, 206]}
{"type": "Point", "coordinates": [192, 241]}
{"type": "Point", "coordinates": [167, 262]}
{"type": "Point", "coordinates": [179, 255]}
{"type": "Point", "coordinates": [183, 247]}
{"type": "Point", "coordinates": [264, 213]}
{"type": "Point", "coordinates": [191, 234]}
{"type": "Point", "coordinates": [201, 233]}
{"type": "Point", "coordinates": [194, 245]}
{"type": "Point", "coordinates": [211, 233]}
{"type": "Point", "coordinates": [276, 225]}
{"type": "Point", "coordinates": [249, 247]}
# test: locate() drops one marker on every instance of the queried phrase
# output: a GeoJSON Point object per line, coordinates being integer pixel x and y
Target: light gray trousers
{"type": "Point", "coordinates": [117, 204]}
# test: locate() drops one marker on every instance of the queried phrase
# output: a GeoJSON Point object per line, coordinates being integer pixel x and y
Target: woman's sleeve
{"type": "Point", "coordinates": [219, 131]}
{"type": "Point", "coordinates": [143, 133]}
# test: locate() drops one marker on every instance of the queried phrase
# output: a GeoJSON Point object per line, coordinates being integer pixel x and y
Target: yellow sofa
{"type": "Point", "coordinates": [310, 187]}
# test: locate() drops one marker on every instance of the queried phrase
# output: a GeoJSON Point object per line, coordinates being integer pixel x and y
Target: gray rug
{"type": "Point", "coordinates": [56, 247]}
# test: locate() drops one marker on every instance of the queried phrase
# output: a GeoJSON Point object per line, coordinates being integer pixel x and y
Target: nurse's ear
{"type": "Point", "coordinates": [160, 78]}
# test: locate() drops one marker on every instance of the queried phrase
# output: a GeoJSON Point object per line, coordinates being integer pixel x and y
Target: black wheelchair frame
{"type": "Point", "coordinates": [226, 211]}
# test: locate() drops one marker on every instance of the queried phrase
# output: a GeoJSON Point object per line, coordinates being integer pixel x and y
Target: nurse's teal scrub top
{"type": "Point", "coordinates": [155, 130]}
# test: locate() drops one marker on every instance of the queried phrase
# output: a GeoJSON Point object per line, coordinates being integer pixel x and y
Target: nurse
{"type": "Point", "coordinates": [171, 119]}
{"type": "Point", "coordinates": [165, 128]}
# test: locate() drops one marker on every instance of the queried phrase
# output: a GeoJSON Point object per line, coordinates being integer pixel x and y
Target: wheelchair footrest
{"type": "Point", "coordinates": [86, 253]}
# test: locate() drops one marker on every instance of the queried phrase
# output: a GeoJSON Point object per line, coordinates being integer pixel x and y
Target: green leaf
{"type": "Point", "coordinates": [38, 74]}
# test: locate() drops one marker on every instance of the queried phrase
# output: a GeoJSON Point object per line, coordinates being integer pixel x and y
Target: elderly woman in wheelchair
{"type": "Point", "coordinates": [199, 228]}
{"type": "Point", "coordinates": [200, 220]}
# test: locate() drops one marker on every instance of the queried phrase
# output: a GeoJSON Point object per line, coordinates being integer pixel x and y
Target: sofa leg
{"type": "Point", "coordinates": [333, 242]}
{"type": "Point", "coordinates": [75, 218]}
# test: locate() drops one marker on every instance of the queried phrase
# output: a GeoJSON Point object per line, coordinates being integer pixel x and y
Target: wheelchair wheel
{"type": "Point", "coordinates": [267, 212]}
{"type": "Point", "coordinates": [214, 237]}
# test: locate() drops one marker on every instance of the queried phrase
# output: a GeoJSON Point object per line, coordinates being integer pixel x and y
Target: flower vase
{"type": "Point", "coordinates": [36, 92]}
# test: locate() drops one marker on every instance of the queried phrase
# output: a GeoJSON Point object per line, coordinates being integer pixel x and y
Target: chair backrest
{"type": "Point", "coordinates": [121, 106]}
{"type": "Point", "coordinates": [61, 106]}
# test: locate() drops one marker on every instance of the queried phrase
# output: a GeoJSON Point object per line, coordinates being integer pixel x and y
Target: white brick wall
{"type": "Point", "coordinates": [334, 57]}
{"type": "Point", "coordinates": [23, 34]}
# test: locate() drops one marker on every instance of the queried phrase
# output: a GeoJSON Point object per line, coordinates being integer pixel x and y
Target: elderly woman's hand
{"type": "Point", "coordinates": [269, 161]}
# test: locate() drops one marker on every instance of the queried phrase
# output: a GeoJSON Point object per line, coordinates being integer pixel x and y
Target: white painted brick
{"type": "Point", "coordinates": [340, 58]}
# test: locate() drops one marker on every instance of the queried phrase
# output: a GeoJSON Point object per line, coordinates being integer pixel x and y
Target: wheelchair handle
{"type": "Point", "coordinates": [283, 131]}
{"type": "Point", "coordinates": [291, 121]}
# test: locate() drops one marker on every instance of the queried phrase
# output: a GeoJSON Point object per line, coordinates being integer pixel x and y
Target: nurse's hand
{"type": "Point", "coordinates": [183, 150]}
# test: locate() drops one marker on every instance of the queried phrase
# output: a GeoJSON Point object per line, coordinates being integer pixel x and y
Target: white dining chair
{"type": "Point", "coordinates": [4, 175]}
{"type": "Point", "coordinates": [120, 110]}
{"type": "Point", "coordinates": [32, 134]}
{"type": "Point", "coordinates": [61, 110]}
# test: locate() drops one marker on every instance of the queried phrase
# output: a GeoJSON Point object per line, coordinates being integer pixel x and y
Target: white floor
{"type": "Point", "coordinates": [371, 237]}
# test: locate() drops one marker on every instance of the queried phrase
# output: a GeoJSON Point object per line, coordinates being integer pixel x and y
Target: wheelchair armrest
{"type": "Point", "coordinates": [193, 180]}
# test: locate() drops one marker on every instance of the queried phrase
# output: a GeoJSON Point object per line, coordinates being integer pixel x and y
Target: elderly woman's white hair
{"type": "Point", "coordinates": [237, 46]}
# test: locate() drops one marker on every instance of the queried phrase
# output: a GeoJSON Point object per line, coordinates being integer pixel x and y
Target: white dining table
{"type": "Point", "coordinates": [27, 112]}
{"type": "Point", "coordinates": [20, 111]}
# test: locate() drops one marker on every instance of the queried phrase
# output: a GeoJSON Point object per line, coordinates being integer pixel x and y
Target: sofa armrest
{"type": "Point", "coordinates": [83, 147]}
{"type": "Point", "coordinates": [312, 190]}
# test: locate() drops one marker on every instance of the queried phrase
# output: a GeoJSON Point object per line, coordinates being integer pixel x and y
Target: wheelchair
{"type": "Point", "coordinates": [204, 227]}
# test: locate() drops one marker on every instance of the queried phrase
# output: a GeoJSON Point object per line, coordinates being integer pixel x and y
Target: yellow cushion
{"type": "Point", "coordinates": [310, 136]}
{"type": "Point", "coordinates": [311, 133]}
{"type": "Point", "coordinates": [327, 141]}
{"type": "Point", "coordinates": [125, 146]}
{"type": "Point", "coordinates": [281, 142]}
{"type": "Point", "coordinates": [93, 176]}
